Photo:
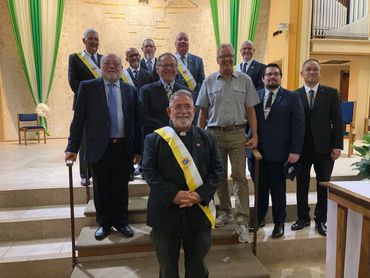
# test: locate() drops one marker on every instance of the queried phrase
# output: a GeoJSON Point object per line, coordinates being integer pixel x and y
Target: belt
{"type": "Point", "coordinates": [227, 128]}
{"type": "Point", "coordinates": [116, 140]}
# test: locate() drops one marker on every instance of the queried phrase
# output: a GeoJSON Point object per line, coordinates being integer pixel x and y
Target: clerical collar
{"type": "Point", "coordinates": [181, 133]}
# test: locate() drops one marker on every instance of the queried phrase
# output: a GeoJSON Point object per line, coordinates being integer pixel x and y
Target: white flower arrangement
{"type": "Point", "coordinates": [42, 109]}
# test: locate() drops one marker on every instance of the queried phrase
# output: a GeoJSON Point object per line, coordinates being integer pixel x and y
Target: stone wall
{"type": "Point", "coordinates": [121, 24]}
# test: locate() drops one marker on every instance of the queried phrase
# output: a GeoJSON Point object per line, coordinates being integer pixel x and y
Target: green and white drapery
{"type": "Point", "coordinates": [235, 21]}
{"type": "Point", "coordinates": [37, 25]}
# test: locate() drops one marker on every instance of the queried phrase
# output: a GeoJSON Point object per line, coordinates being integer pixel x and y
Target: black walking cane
{"type": "Point", "coordinates": [69, 164]}
{"type": "Point", "coordinates": [257, 157]}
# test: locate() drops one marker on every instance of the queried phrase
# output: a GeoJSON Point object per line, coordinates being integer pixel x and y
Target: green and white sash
{"type": "Point", "coordinates": [86, 59]}
{"type": "Point", "coordinates": [186, 163]}
{"type": "Point", "coordinates": [127, 78]}
{"type": "Point", "coordinates": [186, 74]}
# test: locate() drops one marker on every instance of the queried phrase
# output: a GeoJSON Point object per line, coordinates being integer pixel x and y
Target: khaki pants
{"type": "Point", "coordinates": [232, 145]}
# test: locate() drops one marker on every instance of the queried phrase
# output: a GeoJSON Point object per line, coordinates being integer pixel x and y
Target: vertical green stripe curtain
{"type": "Point", "coordinates": [37, 25]}
{"type": "Point", "coordinates": [235, 21]}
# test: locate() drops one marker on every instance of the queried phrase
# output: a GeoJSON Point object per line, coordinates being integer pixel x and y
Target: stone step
{"type": "Point", "coordinates": [230, 262]}
{"type": "Point", "coordinates": [138, 205]}
{"type": "Point", "coordinates": [43, 196]}
{"type": "Point", "coordinates": [308, 240]}
{"type": "Point", "coordinates": [26, 223]}
{"type": "Point", "coordinates": [52, 257]}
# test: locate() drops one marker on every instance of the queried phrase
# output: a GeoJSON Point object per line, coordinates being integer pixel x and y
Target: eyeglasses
{"type": "Point", "coordinates": [115, 63]}
{"type": "Point", "coordinates": [180, 107]}
{"type": "Point", "coordinates": [225, 56]}
{"type": "Point", "coordinates": [171, 66]}
{"type": "Point", "coordinates": [272, 74]}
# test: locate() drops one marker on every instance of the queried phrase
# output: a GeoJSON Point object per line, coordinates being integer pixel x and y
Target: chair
{"type": "Point", "coordinates": [348, 108]}
{"type": "Point", "coordinates": [33, 124]}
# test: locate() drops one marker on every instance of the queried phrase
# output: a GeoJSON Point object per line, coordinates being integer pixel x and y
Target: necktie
{"type": "Point", "coordinates": [183, 60]}
{"type": "Point", "coordinates": [269, 101]}
{"type": "Point", "coordinates": [93, 59]}
{"type": "Point", "coordinates": [245, 67]}
{"type": "Point", "coordinates": [112, 105]}
{"type": "Point", "coordinates": [149, 65]}
{"type": "Point", "coordinates": [312, 98]}
{"type": "Point", "coordinates": [169, 90]}
{"type": "Point", "coordinates": [135, 74]}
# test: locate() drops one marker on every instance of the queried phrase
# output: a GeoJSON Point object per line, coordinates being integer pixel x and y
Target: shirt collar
{"type": "Point", "coordinates": [249, 61]}
{"type": "Point", "coordinates": [165, 84]}
{"type": "Point", "coordinates": [314, 88]}
{"type": "Point", "coordinates": [146, 60]}
{"type": "Point", "coordinates": [273, 91]}
{"type": "Point", "coordinates": [132, 69]}
{"type": "Point", "coordinates": [234, 74]}
{"type": "Point", "coordinates": [179, 56]}
{"type": "Point", "coordinates": [106, 82]}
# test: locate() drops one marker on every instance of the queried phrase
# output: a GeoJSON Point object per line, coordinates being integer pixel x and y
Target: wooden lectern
{"type": "Point", "coordinates": [348, 236]}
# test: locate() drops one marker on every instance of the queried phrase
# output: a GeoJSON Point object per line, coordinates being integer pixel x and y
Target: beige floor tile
{"type": "Point", "coordinates": [35, 247]}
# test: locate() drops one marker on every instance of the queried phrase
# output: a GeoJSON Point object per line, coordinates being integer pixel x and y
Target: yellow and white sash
{"type": "Point", "coordinates": [86, 59]}
{"type": "Point", "coordinates": [127, 78]}
{"type": "Point", "coordinates": [186, 162]}
{"type": "Point", "coordinates": [186, 74]}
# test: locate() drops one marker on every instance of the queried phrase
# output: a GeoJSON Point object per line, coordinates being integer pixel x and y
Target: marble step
{"type": "Point", "coordinates": [138, 205]}
{"type": "Point", "coordinates": [59, 195]}
{"type": "Point", "coordinates": [298, 244]}
{"type": "Point", "coordinates": [230, 262]}
{"type": "Point", "coordinates": [26, 223]}
{"type": "Point", "coordinates": [52, 257]}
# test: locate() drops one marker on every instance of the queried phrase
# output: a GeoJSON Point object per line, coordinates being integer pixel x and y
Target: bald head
{"type": "Point", "coordinates": [133, 57]}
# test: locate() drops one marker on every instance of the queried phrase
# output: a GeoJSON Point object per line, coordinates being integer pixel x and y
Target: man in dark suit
{"type": "Point", "coordinates": [191, 66]}
{"type": "Point", "coordinates": [149, 62]}
{"type": "Point", "coordinates": [153, 98]}
{"type": "Point", "coordinates": [175, 205]}
{"type": "Point", "coordinates": [139, 76]}
{"type": "Point", "coordinates": [108, 109]}
{"type": "Point", "coordinates": [82, 66]}
{"type": "Point", "coordinates": [250, 66]}
{"type": "Point", "coordinates": [280, 125]}
{"type": "Point", "coordinates": [322, 144]}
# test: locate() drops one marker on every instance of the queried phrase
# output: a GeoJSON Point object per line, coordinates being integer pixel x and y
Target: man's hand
{"type": "Point", "coordinates": [335, 153]}
{"type": "Point", "coordinates": [186, 198]}
{"type": "Point", "coordinates": [252, 142]}
{"type": "Point", "coordinates": [293, 158]}
{"type": "Point", "coordinates": [136, 158]}
{"type": "Point", "coordinates": [69, 156]}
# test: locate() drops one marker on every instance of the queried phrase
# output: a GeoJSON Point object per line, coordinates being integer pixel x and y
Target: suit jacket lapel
{"type": "Point", "coordinates": [251, 68]}
{"type": "Point", "coordinates": [103, 96]}
{"type": "Point", "coordinates": [320, 97]}
{"type": "Point", "coordinates": [302, 93]}
{"type": "Point", "coordinates": [196, 145]}
{"type": "Point", "coordinates": [124, 101]}
{"type": "Point", "coordinates": [279, 96]}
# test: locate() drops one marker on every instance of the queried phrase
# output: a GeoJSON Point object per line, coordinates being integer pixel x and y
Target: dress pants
{"type": "Point", "coordinates": [231, 144]}
{"type": "Point", "coordinates": [110, 178]}
{"type": "Point", "coordinates": [196, 244]}
{"type": "Point", "coordinates": [272, 179]}
{"type": "Point", "coordinates": [323, 166]}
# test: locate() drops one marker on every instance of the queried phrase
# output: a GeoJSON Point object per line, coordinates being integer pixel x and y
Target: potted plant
{"type": "Point", "coordinates": [364, 151]}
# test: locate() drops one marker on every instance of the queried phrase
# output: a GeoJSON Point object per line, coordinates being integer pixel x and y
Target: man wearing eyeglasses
{"type": "Point", "coordinates": [181, 189]}
{"type": "Point", "coordinates": [227, 99]}
{"type": "Point", "coordinates": [108, 109]}
{"type": "Point", "coordinates": [153, 97]}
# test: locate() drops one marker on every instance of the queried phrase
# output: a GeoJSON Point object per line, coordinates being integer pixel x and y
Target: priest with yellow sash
{"type": "Point", "coordinates": [183, 167]}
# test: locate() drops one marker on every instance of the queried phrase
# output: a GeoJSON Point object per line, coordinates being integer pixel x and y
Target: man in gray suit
{"type": "Point", "coordinates": [191, 69]}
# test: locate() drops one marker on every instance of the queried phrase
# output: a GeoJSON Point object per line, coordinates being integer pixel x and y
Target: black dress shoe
{"type": "Point", "coordinates": [131, 177]}
{"type": "Point", "coordinates": [321, 228]}
{"type": "Point", "coordinates": [101, 232]}
{"type": "Point", "coordinates": [300, 224]}
{"type": "Point", "coordinates": [278, 231]}
{"type": "Point", "coordinates": [125, 230]}
{"type": "Point", "coordinates": [85, 182]}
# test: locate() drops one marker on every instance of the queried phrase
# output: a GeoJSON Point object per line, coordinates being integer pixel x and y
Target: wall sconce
{"type": "Point", "coordinates": [282, 27]}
